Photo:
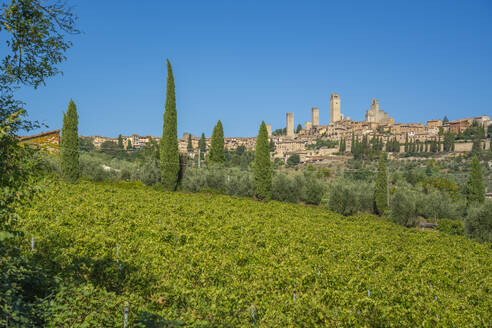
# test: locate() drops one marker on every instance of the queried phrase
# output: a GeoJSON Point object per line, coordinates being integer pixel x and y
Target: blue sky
{"type": "Point", "coordinates": [247, 61]}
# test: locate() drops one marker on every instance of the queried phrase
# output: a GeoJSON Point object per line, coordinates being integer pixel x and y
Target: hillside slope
{"type": "Point", "coordinates": [217, 261]}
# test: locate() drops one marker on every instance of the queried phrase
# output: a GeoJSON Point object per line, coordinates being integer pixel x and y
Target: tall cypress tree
{"type": "Point", "coordinates": [262, 165]}
{"type": "Point", "coordinates": [190, 144]}
{"type": "Point", "coordinates": [129, 144]}
{"type": "Point", "coordinates": [380, 193]}
{"type": "Point", "coordinates": [475, 191]}
{"type": "Point", "coordinates": [120, 142]}
{"type": "Point", "coordinates": [69, 150]}
{"type": "Point", "coordinates": [352, 145]}
{"type": "Point", "coordinates": [217, 154]}
{"type": "Point", "coordinates": [202, 144]}
{"type": "Point", "coordinates": [169, 153]}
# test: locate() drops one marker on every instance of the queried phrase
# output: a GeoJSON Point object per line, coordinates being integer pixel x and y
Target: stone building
{"type": "Point", "coordinates": [376, 115]}
{"type": "Point", "coordinates": [47, 141]}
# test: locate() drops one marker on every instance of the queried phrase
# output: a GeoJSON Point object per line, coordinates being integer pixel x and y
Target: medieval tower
{"type": "Point", "coordinates": [290, 124]}
{"type": "Point", "coordinates": [315, 116]}
{"type": "Point", "coordinates": [335, 114]}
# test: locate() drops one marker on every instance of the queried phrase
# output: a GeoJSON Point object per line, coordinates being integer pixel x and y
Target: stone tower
{"type": "Point", "coordinates": [315, 116]}
{"type": "Point", "coordinates": [290, 124]}
{"type": "Point", "coordinates": [335, 114]}
{"type": "Point", "coordinates": [269, 129]}
{"type": "Point", "coordinates": [375, 105]}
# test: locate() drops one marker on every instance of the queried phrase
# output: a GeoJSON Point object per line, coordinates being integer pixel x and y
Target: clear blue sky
{"type": "Point", "coordinates": [247, 61]}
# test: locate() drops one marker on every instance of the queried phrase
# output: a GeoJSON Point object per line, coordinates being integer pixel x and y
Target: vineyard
{"type": "Point", "coordinates": [210, 260]}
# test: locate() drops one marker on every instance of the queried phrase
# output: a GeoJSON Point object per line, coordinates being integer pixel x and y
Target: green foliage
{"type": "Point", "coordinates": [272, 146]}
{"type": "Point", "coordinates": [202, 144]}
{"type": "Point", "coordinates": [23, 285]}
{"type": "Point", "coordinates": [475, 191]}
{"type": "Point", "coordinates": [347, 197]}
{"type": "Point", "coordinates": [120, 142]}
{"type": "Point", "coordinates": [403, 207]}
{"type": "Point", "coordinates": [189, 147]}
{"type": "Point", "coordinates": [440, 184]}
{"type": "Point", "coordinates": [86, 306]}
{"type": "Point", "coordinates": [182, 252]}
{"type": "Point", "coordinates": [110, 148]}
{"type": "Point", "coordinates": [286, 188]}
{"type": "Point", "coordinates": [169, 154]}
{"type": "Point", "coordinates": [69, 148]}
{"type": "Point", "coordinates": [451, 227]}
{"type": "Point", "coordinates": [35, 38]}
{"type": "Point", "coordinates": [381, 189]}
{"type": "Point", "coordinates": [216, 154]}
{"type": "Point", "coordinates": [280, 132]}
{"type": "Point", "coordinates": [293, 160]}
{"type": "Point", "coordinates": [262, 165]}
{"type": "Point", "coordinates": [85, 144]}
{"type": "Point", "coordinates": [320, 143]}
{"type": "Point", "coordinates": [478, 223]}
{"type": "Point", "coordinates": [129, 145]}
{"type": "Point", "coordinates": [232, 182]}
{"type": "Point", "coordinates": [448, 143]}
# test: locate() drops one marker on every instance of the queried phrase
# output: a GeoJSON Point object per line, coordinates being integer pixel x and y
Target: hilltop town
{"type": "Point", "coordinates": [302, 139]}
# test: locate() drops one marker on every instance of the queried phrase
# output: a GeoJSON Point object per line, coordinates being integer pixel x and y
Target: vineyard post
{"type": "Point", "coordinates": [125, 315]}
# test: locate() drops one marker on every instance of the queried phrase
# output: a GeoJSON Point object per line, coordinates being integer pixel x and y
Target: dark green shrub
{"type": "Point", "coordinates": [285, 188]}
{"type": "Point", "coordinates": [313, 189]}
{"type": "Point", "coordinates": [478, 223]}
{"type": "Point", "coordinates": [451, 227]}
{"type": "Point", "coordinates": [348, 197]}
{"type": "Point", "coordinates": [149, 173]}
{"type": "Point", "coordinates": [403, 207]}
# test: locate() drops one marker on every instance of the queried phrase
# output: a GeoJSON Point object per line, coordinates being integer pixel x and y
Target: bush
{"type": "Point", "coordinates": [23, 286]}
{"type": "Point", "coordinates": [451, 227]}
{"type": "Point", "coordinates": [403, 207]}
{"type": "Point", "coordinates": [239, 183]}
{"type": "Point", "coordinates": [313, 189]}
{"type": "Point", "coordinates": [194, 180]}
{"type": "Point", "coordinates": [286, 189]}
{"type": "Point", "coordinates": [148, 172]}
{"type": "Point", "coordinates": [233, 182]}
{"type": "Point", "coordinates": [347, 197]}
{"type": "Point", "coordinates": [478, 224]}
{"type": "Point", "coordinates": [435, 205]}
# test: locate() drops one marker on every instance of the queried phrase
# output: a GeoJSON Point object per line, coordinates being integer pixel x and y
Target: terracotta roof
{"type": "Point", "coordinates": [44, 134]}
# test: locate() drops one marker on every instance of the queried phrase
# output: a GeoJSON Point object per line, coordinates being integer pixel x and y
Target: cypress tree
{"type": "Point", "coordinates": [203, 143]}
{"type": "Point", "coordinates": [272, 146]}
{"type": "Point", "coordinates": [262, 165]}
{"type": "Point", "coordinates": [190, 144]}
{"type": "Point", "coordinates": [475, 191]}
{"type": "Point", "coordinates": [169, 154]}
{"type": "Point", "coordinates": [380, 193]}
{"type": "Point", "coordinates": [352, 144]}
{"type": "Point", "coordinates": [69, 151]}
{"type": "Point", "coordinates": [217, 155]}
{"type": "Point", "coordinates": [120, 142]}
{"type": "Point", "coordinates": [129, 144]}
{"type": "Point", "coordinates": [406, 143]}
